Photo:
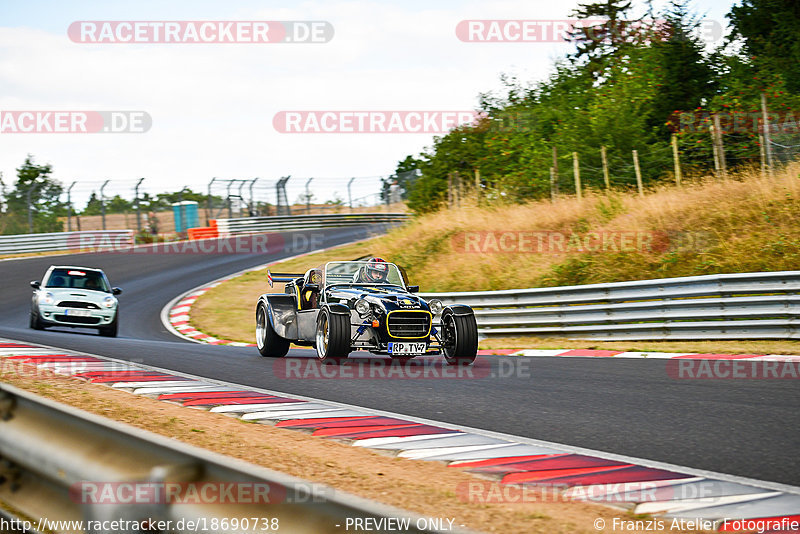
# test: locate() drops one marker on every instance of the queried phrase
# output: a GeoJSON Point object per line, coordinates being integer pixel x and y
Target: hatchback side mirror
{"type": "Point", "coordinates": [116, 291]}
{"type": "Point", "coordinates": [413, 289]}
{"type": "Point", "coordinates": [35, 284]}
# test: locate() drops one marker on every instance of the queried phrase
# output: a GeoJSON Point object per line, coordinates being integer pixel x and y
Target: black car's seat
{"type": "Point", "coordinates": [309, 291]}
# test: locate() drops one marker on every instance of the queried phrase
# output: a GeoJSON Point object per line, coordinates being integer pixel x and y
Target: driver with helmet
{"type": "Point", "coordinates": [376, 271]}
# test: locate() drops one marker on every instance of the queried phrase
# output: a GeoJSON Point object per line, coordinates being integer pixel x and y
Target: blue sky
{"type": "Point", "coordinates": [212, 105]}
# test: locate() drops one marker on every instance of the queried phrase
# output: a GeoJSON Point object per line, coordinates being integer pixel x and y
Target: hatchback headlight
{"type": "Point", "coordinates": [436, 306]}
{"type": "Point", "coordinates": [362, 307]}
{"type": "Point", "coordinates": [47, 298]}
{"type": "Point", "coordinates": [109, 302]}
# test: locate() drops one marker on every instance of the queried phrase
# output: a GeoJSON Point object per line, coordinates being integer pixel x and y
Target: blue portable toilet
{"type": "Point", "coordinates": [186, 215]}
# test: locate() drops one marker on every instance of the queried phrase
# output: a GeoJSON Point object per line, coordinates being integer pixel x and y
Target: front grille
{"type": "Point", "coordinates": [76, 319]}
{"type": "Point", "coordinates": [77, 304]}
{"type": "Point", "coordinates": [409, 324]}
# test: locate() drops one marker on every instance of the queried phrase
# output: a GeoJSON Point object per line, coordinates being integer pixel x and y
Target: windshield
{"type": "Point", "coordinates": [363, 273]}
{"type": "Point", "coordinates": [78, 279]}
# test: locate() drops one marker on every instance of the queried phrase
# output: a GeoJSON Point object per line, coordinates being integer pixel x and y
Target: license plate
{"type": "Point", "coordinates": [78, 313]}
{"type": "Point", "coordinates": [407, 348]}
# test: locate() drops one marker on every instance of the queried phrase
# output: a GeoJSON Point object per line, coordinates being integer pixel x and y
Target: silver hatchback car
{"type": "Point", "coordinates": [75, 297]}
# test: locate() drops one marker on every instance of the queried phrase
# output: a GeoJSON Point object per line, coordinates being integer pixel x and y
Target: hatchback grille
{"type": "Point", "coordinates": [409, 324]}
{"type": "Point", "coordinates": [77, 304]}
{"type": "Point", "coordinates": [77, 319]}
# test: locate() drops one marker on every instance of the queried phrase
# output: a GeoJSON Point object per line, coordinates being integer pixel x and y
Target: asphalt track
{"type": "Point", "coordinates": [626, 406]}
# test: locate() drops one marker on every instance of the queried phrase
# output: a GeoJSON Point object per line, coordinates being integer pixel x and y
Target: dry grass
{"type": "Point", "coordinates": [745, 223]}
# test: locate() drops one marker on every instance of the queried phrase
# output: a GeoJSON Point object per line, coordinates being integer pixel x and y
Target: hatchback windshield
{"type": "Point", "coordinates": [78, 279]}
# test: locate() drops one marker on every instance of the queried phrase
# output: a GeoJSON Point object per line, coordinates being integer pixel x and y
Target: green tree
{"type": "Point", "coordinates": [770, 31]}
{"type": "Point", "coordinates": [34, 183]}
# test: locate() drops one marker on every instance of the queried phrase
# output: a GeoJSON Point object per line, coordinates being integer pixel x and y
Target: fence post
{"type": "Point", "coordinates": [714, 149]}
{"type": "Point", "coordinates": [576, 169]}
{"type": "Point", "coordinates": [209, 207]}
{"type": "Point", "coordinates": [555, 167]}
{"type": "Point", "coordinates": [69, 206]}
{"type": "Point", "coordinates": [308, 196]}
{"type": "Point", "coordinates": [30, 212]}
{"type": "Point", "coordinates": [767, 137]}
{"type": "Point", "coordinates": [552, 184]}
{"type": "Point", "coordinates": [252, 210]}
{"type": "Point", "coordinates": [762, 152]}
{"type": "Point", "coordinates": [138, 211]}
{"type": "Point", "coordinates": [349, 194]}
{"type": "Point", "coordinates": [721, 148]}
{"type": "Point", "coordinates": [605, 167]}
{"type": "Point", "coordinates": [677, 160]}
{"type": "Point", "coordinates": [638, 172]}
{"type": "Point", "coordinates": [449, 189]}
{"type": "Point", "coordinates": [103, 202]}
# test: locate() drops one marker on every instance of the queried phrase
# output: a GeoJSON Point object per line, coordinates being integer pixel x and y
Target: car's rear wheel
{"type": "Point", "coordinates": [111, 329]}
{"type": "Point", "coordinates": [333, 336]}
{"type": "Point", "coordinates": [269, 343]}
{"type": "Point", "coordinates": [460, 336]}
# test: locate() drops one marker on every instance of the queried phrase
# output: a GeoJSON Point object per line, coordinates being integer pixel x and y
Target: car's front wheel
{"type": "Point", "coordinates": [34, 322]}
{"type": "Point", "coordinates": [269, 343]}
{"type": "Point", "coordinates": [111, 329]}
{"type": "Point", "coordinates": [333, 336]}
{"type": "Point", "coordinates": [460, 337]}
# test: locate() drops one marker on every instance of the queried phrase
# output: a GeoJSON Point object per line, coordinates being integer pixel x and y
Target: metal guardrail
{"type": "Point", "coordinates": [97, 239]}
{"type": "Point", "coordinates": [50, 452]}
{"type": "Point", "coordinates": [724, 306]}
{"type": "Point", "coordinates": [303, 222]}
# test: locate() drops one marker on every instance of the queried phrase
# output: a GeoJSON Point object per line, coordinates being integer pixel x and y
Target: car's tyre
{"type": "Point", "coordinates": [110, 330]}
{"type": "Point", "coordinates": [333, 336]}
{"type": "Point", "coordinates": [269, 343]}
{"type": "Point", "coordinates": [35, 322]}
{"type": "Point", "coordinates": [460, 336]}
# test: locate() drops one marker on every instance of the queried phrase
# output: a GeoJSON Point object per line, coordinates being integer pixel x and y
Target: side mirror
{"type": "Point", "coordinates": [116, 291]}
{"type": "Point", "coordinates": [413, 289]}
{"type": "Point", "coordinates": [35, 284]}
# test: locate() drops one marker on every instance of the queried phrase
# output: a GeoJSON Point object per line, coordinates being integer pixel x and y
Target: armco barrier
{"type": "Point", "coordinates": [54, 456]}
{"type": "Point", "coordinates": [94, 240]}
{"type": "Point", "coordinates": [227, 227]}
{"type": "Point", "coordinates": [724, 306]}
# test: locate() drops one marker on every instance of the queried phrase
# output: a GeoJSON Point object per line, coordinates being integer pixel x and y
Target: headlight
{"type": "Point", "coordinates": [47, 298]}
{"type": "Point", "coordinates": [436, 306]}
{"type": "Point", "coordinates": [109, 302]}
{"type": "Point", "coordinates": [362, 307]}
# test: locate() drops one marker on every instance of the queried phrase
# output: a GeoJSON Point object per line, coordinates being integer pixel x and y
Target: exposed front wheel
{"type": "Point", "coordinates": [460, 339]}
{"type": "Point", "coordinates": [269, 343]}
{"type": "Point", "coordinates": [333, 336]}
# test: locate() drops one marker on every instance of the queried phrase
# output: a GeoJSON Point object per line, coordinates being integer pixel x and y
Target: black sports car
{"type": "Point", "coordinates": [368, 305]}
